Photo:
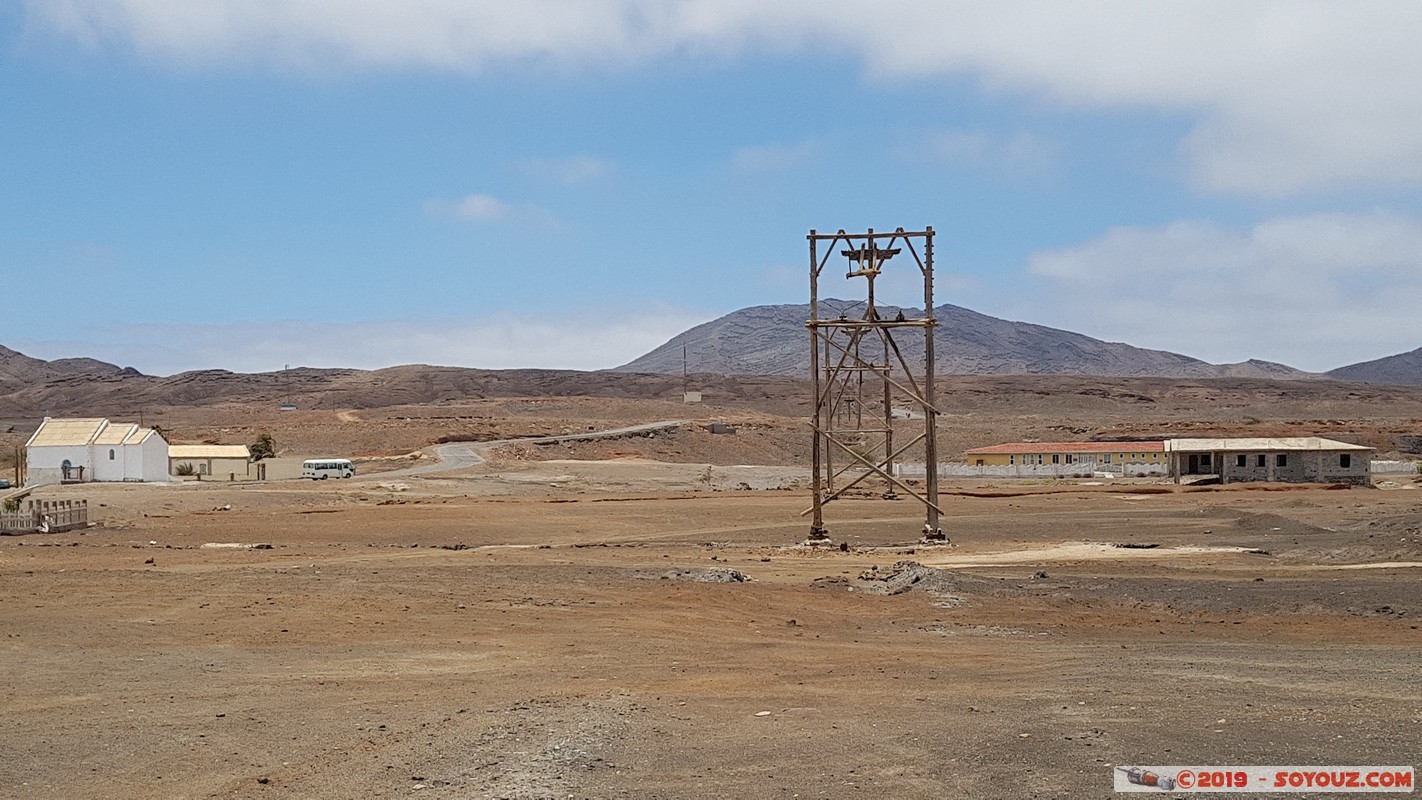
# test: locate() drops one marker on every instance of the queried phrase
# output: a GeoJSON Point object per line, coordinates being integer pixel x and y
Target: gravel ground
{"type": "Point", "coordinates": [634, 632]}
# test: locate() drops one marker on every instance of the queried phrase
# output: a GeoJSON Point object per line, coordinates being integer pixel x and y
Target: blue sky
{"type": "Point", "coordinates": [216, 184]}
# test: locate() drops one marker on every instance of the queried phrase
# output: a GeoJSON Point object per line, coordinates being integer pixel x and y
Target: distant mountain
{"type": "Point", "coordinates": [1403, 368]}
{"type": "Point", "coordinates": [20, 368]}
{"type": "Point", "coordinates": [772, 340]}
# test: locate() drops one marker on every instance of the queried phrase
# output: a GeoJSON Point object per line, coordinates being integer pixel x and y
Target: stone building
{"type": "Point", "coordinates": [1304, 459]}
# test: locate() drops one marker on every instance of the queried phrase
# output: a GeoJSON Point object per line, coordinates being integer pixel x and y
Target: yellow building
{"type": "Point", "coordinates": [211, 462]}
{"type": "Point", "coordinates": [1106, 456]}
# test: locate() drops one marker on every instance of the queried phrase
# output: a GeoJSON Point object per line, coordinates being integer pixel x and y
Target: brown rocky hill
{"type": "Point", "coordinates": [19, 368]}
{"type": "Point", "coordinates": [125, 393]}
{"type": "Point", "coordinates": [403, 408]}
{"type": "Point", "coordinates": [1403, 368]}
{"type": "Point", "coordinates": [771, 340]}
{"type": "Point", "coordinates": [32, 388]}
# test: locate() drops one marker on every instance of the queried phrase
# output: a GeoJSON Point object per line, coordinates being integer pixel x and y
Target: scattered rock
{"type": "Point", "coordinates": [705, 575]}
{"type": "Point", "coordinates": [947, 587]}
{"type": "Point", "coordinates": [902, 577]}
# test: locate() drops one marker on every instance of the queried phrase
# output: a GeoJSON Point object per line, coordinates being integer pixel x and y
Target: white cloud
{"type": "Point", "coordinates": [1289, 96]}
{"type": "Point", "coordinates": [486, 208]}
{"type": "Point", "coordinates": [480, 207]}
{"type": "Point", "coordinates": [776, 157]}
{"type": "Point", "coordinates": [504, 341]}
{"type": "Point", "coordinates": [570, 171]}
{"type": "Point", "coordinates": [1316, 291]}
{"type": "Point", "coordinates": [1021, 155]}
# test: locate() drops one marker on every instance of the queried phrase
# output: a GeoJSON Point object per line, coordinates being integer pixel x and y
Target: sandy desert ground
{"type": "Point", "coordinates": [635, 618]}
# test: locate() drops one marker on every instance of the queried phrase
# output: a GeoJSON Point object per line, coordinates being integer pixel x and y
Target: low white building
{"type": "Point", "coordinates": [223, 462]}
{"type": "Point", "coordinates": [1295, 459]}
{"type": "Point", "coordinates": [94, 449]}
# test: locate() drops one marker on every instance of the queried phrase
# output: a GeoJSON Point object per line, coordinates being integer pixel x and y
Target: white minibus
{"type": "Point", "coordinates": [319, 469]}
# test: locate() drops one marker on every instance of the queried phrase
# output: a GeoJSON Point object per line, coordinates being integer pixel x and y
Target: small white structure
{"type": "Point", "coordinates": [94, 449]}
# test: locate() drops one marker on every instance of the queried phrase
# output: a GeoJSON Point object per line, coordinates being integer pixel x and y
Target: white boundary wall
{"type": "Point", "coordinates": [1083, 470]}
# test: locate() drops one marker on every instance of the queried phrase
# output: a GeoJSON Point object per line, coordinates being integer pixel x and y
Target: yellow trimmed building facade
{"type": "Point", "coordinates": [221, 462]}
{"type": "Point", "coordinates": [1301, 459]}
{"type": "Point", "coordinates": [1073, 457]}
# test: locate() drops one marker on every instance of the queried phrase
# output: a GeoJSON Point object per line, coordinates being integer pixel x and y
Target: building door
{"type": "Point", "coordinates": [1194, 466]}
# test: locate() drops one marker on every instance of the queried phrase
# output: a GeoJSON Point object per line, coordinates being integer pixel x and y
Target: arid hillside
{"type": "Point", "coordinates": [1403, 368]}
{"type": "Point", "coordinates": [395, 412]}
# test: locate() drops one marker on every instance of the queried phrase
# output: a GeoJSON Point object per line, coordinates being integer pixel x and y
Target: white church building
{"type": "Point", "coordinates": [94, 449]}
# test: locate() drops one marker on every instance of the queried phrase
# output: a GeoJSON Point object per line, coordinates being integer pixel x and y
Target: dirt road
{"type": "Point", "coordinates": [454, 456]}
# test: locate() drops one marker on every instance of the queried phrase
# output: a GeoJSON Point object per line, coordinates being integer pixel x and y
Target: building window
{"type": "Point", "coordinates": [1011, 461]}
{"type": "Point", "coordinates": [111, 455]}
{"type": "Point", "coordinates": [1107, 457]}
{"type": "Point", "coordinates": [1056, 458]}
{"type": "Point", "coordinates": [1240, 460]}
{"type": "Point", "coordinates": [1281, 460]}
{"type": "Point", "coordinates": [1068, 458]}
{"type": "Point", "coordinates": [1345, 460]}
{"type": "Point", "coordinates": [1262, 461]}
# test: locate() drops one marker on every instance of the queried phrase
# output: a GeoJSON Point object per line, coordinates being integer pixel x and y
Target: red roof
{"type": "Point", "coordinates": [1070, 447]}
